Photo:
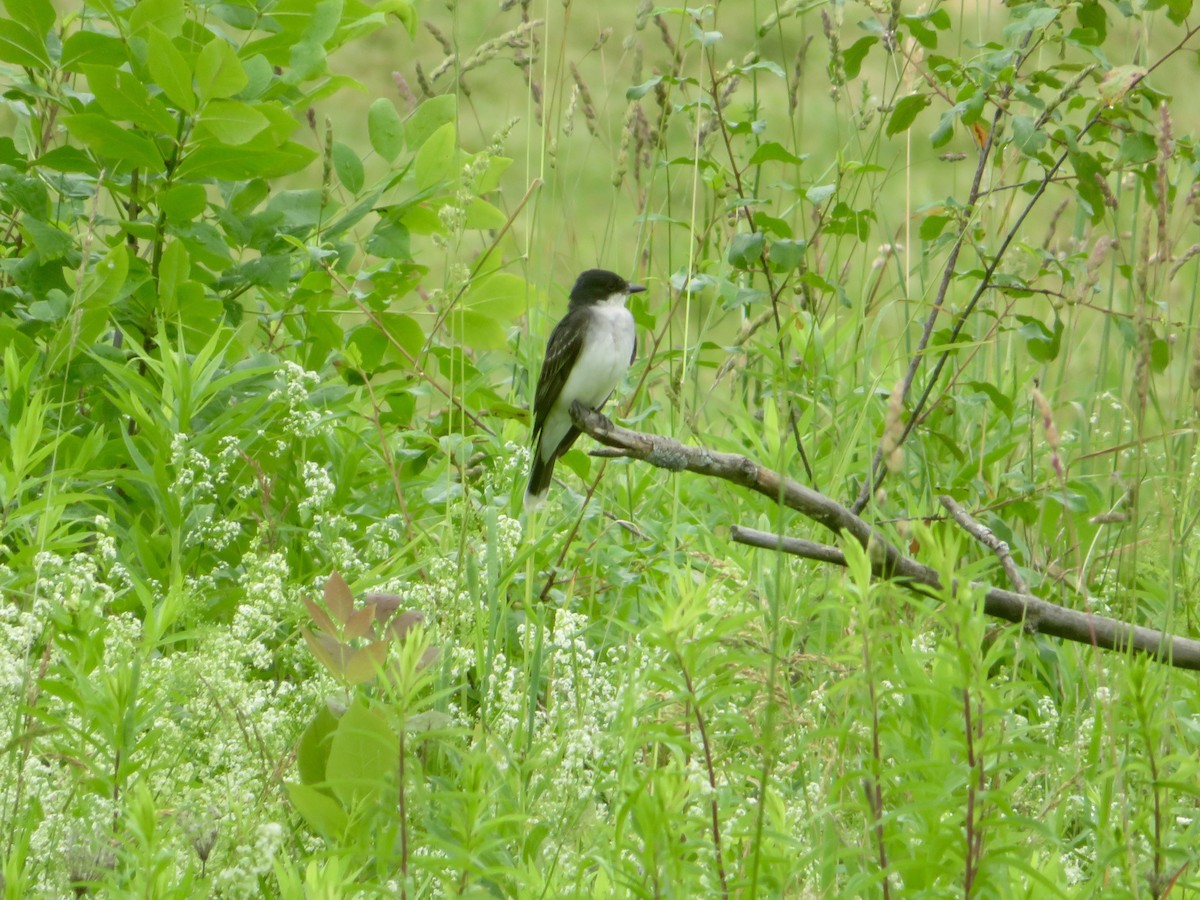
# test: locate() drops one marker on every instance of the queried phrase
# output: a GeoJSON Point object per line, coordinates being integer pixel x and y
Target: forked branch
{"type": "Point", "coordinates": [1036, 614]}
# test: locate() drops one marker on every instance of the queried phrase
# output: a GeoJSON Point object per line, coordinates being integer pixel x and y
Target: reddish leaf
{"type": "Point", "coordinates": [385, 605]}
{"type": "Point", "coordinates": [403, 623]}
{"type": "Point", "coordinates": [360, 622]}
{"type": "Point", "coordinates": [320, 617]}
{"type": "Point", "coordinates": [428, 658]}
{"type": "Point", "coordinates": [365, 663]}
{"type": "Point", "coordinates": [339, 599]}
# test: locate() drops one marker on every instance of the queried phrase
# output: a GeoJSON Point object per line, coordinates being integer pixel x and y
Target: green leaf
{"type": "Point", "coordinates": [174, 268]}
{"type": "Point", "coordinates": [502, 296]}
{"type": "Point", "coordinates": [786, 255]}
{"type": "Point", "coordinates": [21, 47]}
{"type": "Point", "coordinates": [170, 69]}
{"type": "Point", "coordinates": [181, 203]}
{"type": "Point", "coordinates": [219, 72]}
{"type": "Point", "coordinates": [1042, 343]}
{"type": "Point", "coordinates": [232, 121]}
{"type": "Point", "coordinates": [853, 56]}
{"type": "Point", "coordinates": [90, 48]}
{"type": "Point", "coordinates": [36, 15]}
{"type": "Point", "coordinates": [1001, 402]}
{"type": "Point", "coordinates": [905, 112]}
{"type": "Point", "coordinates": [482, 216]}
{"type": "Point", "coordinates": [312, 750]}
{"type": "Point", "coordinates": [322, 813]}
{"type": "Point", "coordinates": [428, 118]}
{"type": "Point", "coordinates": [1160, 355]}
{"type": "Point", "coordinates": [819, 193]}
{"type": "Point", "coordinates": [164, 16]}
{"type": "Point", "coordinates": [363, 757]}
{"type": "Point", "coordinates": [110, 141]}
{"type": "Point", "coordinates": [1028, 138]}
{"type": "Point", "coordinates": [638, 91]}
{"type": "Point", "coordinates": [480, 332]}
{"type": "Point", "coordinates": [384, 129]}
{"type": "Point", "coordinates": [745, 249]}
{"type": "Point", "coordinates": [348, 166]}
{"type": "Point", "coordinates": [49, 241]}
{"type": "Point", "coordinates": [1137, 148]}
{"type": "Point", "coordinates": [124, 97]}
{"type": "Point", "coordinates": [932, 227]}
{"type": "Point", "coordinates": [402, 10]}
{"type": "Point", "coordinates": [239, 163]}
{"type": "Point", "coordinates": [435, 160]}
{"type": "Point", "coordinates": [773, 150]}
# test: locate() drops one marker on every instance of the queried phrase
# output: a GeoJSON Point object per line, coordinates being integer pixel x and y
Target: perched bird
{"type": "Point", "coordinates": [589, 352]}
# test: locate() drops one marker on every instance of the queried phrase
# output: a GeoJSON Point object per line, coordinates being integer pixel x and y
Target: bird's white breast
{"type": "Point", "coordinates": [604, 358]}
{"type": "Point", "coordinates": [603, 361]}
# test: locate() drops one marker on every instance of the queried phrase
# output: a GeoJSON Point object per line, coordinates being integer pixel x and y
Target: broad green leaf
{"type": "Point", "coordinates": [323, 814]}
{"type": "Point", "coordinates": [312, 750]}
{"type": "Point", "coordinates": [435, 160]}
{"type": "Point", "coordinates": [490, 179]}
{"type": "Point", "coordinates": [428, 118]}
{"type": "Point", "coordinates": [854, 55]}
{"type": "Point", "coordinates": [1029, 139]}
{"type": "Point", "coordinates": [219, 72]}
{"type": "Point", "coordinates": [348, 166]}
{"type": "Point", "coordinates": [482, 216]}
{"type": "Point", "coordinates": [638, 91]}
{"type": "Point", "coordinates": [110, 141]}
{"type": "Point", "coordinates": [786, 255]}
{"type": "Point", "coordinates": [502, 296]}
{"type": "Point", "coordinates": [478, 331]}
{"type": "Point", "coordinates": [402, 10]}
{"type": "Point", "coordinates": [170, 69]}
{"type": "Point", "coordinates": [932, 226]}
{"type": "Point", "coordinates": [49, 241]}
{"type": "Point", "coordinates": [363, 757]}
{"type": "Point", "coordinates": [106, 278]}
{"type": "Point", "coordinates": [1138, 148]}
{"type": "Point", "coordinates": [773, 150]}
{"type": "Point", "coordinates": [819, 193]}
{"type": "Point", "coordinates": [239, 163]}
{"type": "Point", "coordinates": [1042, 343]}
{"type": "Point", "coordinates": [164, 16]}
{"type": "Point", "coordinates": [124, 97]}
{"type": "Point", "coordinates": [904, 113]}
{"type": "Point", "coordinates": [174, 269]}
{"type": "Point", "coordinates": [21, 47]}
{"type": "Point", "coordinates": [36, 15]}
{"type": "Point", "coordinates": [384, 129]}
{"type": "Point", "coordinates": [745, 249]}
{"type": "Point", "coordinates": [232, 121]}
{"type": "Point", "coordinates": [90, 48]}
{"type": "Point", "coordinates": [182, 202]}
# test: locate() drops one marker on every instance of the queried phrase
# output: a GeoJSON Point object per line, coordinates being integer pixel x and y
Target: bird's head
{"type": "Point", "coordinates": [598, 286]}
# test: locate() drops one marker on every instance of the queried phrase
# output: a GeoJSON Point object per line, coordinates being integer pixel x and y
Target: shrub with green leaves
{"type": "Point", "coordinates": [275, 280]}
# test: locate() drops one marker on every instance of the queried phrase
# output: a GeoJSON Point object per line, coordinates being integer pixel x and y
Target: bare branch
{"type": "Point", "coordinates": [985, 536]}
{"type": "Point", "coordinates": [1037, 615]}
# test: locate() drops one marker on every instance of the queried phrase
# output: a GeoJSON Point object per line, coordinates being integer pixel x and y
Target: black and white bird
{"type": "Point", "coordinates": [589, 352]}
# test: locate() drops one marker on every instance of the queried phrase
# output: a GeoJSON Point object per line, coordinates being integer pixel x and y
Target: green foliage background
{"type": "Point", "coordinates": [274, 285]}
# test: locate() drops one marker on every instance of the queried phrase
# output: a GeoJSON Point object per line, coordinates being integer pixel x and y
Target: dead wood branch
{"type": "Point", "coordinates": [1036, 614]}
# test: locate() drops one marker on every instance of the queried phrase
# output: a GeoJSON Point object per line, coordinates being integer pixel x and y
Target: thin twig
{"type": "Point", "coordinates": [987, 537]}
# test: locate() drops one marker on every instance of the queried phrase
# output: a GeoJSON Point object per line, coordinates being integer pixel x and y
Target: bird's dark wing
{"type": "Point", "coordinates": [561, 352]}
{"type": "Point", "coordinates": [633, 352]}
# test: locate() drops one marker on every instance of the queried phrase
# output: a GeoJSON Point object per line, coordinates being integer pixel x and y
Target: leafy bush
{"type": "Point", "coordinates": [256, 329]}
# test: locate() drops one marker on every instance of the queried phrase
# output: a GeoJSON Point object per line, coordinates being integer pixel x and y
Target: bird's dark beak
{"type": "Point", "coordinates": [636, 288]}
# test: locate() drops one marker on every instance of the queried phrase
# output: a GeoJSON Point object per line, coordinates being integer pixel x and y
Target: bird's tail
{"type": "Point", "coordinates": [540, 474]}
